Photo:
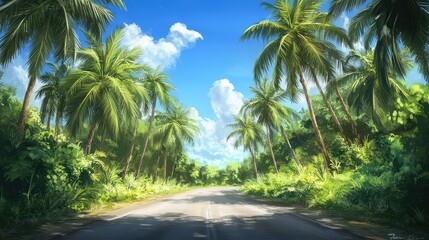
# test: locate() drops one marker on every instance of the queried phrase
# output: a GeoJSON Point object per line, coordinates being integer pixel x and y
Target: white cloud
{"type": "Point", "coordinates": [225, 100]}
{"type": "Point", "coordinates": [16, 75]}
{"type": "Point", "coordinates": [211, 146]}
{"type": "Point", "coordinates": [164, 51]}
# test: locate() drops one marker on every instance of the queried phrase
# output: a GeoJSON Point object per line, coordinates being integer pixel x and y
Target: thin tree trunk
{"type": "Point", "coordinates": [333, 114]}
{"type": "Point", "coordinates": [90, 137]}
{"type": "Point", "coordinates": [298, 163]}
{"type": "Point", "coordinates": [255, 168]}
{"type": "Point", "coordinates": [349, 116]}
{"type": "Point", "coordinates": [271, 149]}
{"type": "Point", "coordinates": [57, 123]}
{"type": "Point", "coordinates": [48, 124]}
{"type": "Point", "coordinates": [174, 165]}
{"type": "Point", "coordinates": [319, 137]}
{"type": "Point", "coordinates": [25, 105]}
{"type": "Point", "coordinates": [165, 165]}
{"type": "Point", "coordinates": [152, 115]}
{"type": "Point", "coordinates": [156, 167]}
{"type": "Point", "coordinates": [130, 153]}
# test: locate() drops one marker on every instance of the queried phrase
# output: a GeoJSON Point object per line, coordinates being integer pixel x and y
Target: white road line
{"type": "Point", "coordinates": [120, 216]}
{"type": "Point", "coordinates": [211, 233]}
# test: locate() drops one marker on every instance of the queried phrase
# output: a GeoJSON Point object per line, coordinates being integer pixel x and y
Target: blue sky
{"type": "Point", "coordinates": [198, 43]}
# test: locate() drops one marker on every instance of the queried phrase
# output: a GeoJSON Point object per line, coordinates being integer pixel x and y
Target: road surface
{"type": "Point", "coordinates": [211, 213]}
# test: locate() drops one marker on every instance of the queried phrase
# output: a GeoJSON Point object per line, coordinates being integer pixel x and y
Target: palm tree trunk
{"type": "Point", "coordinates": [174, 165]}
{"type": "Point", "coordinates": [152, 115]}
{"type": "Point", "coordinates": [156, 167]}
{"type": "Point", "coordinates": [90, 137]}
{"type": "Point", "coordinates": [319, 137]}
{"type": "Point", "coordinates": [130, 153]}
{"type": "Point", "coordinates": [25, 105]}
{"type": "Point", "coordinates": [48, 124]}
{"type": "Point", "coordinates": [333, 114]}
{"type": "Point", "coordinates": [298, 163]}
{"type": "Point", "coordinates": [57, 123]}
{"type": "Point", "coordinates": [349, 116]}
{"type": "Point", "coordinates": [165, 165]}
{"type": "Point", "coordinates": [255, 168]}
{"type": "Point", "coordinates": [271, 149]}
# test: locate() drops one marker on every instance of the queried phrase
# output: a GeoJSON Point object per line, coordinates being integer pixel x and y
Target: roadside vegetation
{"type": "Point", "coordinates": [109, 130]}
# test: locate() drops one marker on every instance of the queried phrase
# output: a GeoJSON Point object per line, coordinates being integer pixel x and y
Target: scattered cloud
{"type": "Point", "coordinates": [16, 75]}
{"type": "Point", "coordinates": [164, 51]}
{"type": "Point", "coordinates": [211, 146]}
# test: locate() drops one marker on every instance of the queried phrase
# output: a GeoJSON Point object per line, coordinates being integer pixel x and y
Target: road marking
{"type": "Point", "coordinates": [211, 233]}
{"type": "Point", "coordinates": [120, 216]}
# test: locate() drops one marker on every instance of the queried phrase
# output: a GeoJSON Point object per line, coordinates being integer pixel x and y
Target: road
{"type": "Point", "coordinates": [210, 213]}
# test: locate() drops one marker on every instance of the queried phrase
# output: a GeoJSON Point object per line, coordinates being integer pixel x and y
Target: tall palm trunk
{"type": "Point", "coordinates": [156, 167]}
{"type": "Point", "coordinates": [319, 137]}
{"type": "Point", "coordinates": [255, 168]}
{"type": "Point", "coordinates": [25, 105]}
{"type": "Point", "coordinates": [130, 153]}
{"type": "Point", "coordinates": [91, 137]}
{"type": "Point", "coordinates": [349, 116]}
{"type": "Point", "coordinates": [298, 163]}
{"type": "Point", "coordinates": [174, 165]}
{"type": "Point", "coordinates": [165, 165]}
{"type": "Point", "coordinates": [48, 124]}
{"type": "Point", "coordinates": [271, 149]}
{"type": "Point", "coordinates": [333, 114]}
{"type": "Point", "coordinates": [152, 115]}
{"type": "Point", "coordinates": [57, 122]}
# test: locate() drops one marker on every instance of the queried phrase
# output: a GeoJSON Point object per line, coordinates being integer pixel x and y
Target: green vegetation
{"type": "Point", "coordinates": [369, 155]}
{"type": "Point", "coordinates": [361, 146]}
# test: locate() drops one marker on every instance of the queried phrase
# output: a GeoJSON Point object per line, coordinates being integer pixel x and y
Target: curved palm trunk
{"type": "Point", "coordinates": [165, 165]}
{"type": "Point", "coordinates": [349, 116]}
{"type": "Point", "coordinates": [333, 114]}
{"type": "Point", "coordinates": [298, 163]}
{"type": "Point", "coordinates": [90, 137]}
{"type": "Point", "coordinates": [25, 105]}
{"type": "Point", "coordinates": [271, 149]}
{"type": "Point", "coordinates": [319, 137]}
{"type": "Point", "coordinates": [255, 168]}
{"type": "Point", "coordinates": [152, 115]}
{"type": "Point", "coordinates": [130, 153]}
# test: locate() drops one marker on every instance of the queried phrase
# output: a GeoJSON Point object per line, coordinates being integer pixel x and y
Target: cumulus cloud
{"type": "Point", "coordinates": [164, 51]}
{"type": "Point", "coordinates": [211, 146]}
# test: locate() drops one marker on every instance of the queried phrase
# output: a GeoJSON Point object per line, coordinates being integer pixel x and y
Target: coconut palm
{"type": "Point", "coordinates": [155, 82]}
{"type": "Point", "coordinates": [53, 94]}
{"type": "Point", "coordinates": [249, 134]}
{"type": "Point", "coordinates": [297, 46]}
{"type": "Point", "coordinates": [102, 91]}
{"type": "Point", "coordinates": [391, 24]}
{"type": "Point", "coordinates": [47, 27]}
{"type": "Point", "coordinates": [366, 92]}
{"type": "Point", "coordinates": [175, 128]}
{"type": "Point", "coordinates": [266, 107]}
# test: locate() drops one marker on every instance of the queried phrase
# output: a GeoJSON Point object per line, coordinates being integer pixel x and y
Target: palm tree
{"type": "Point", "coordinates": [266, 107]}
{"type": "Point", "coordinates": [391, 24]}
{"type": "Point", "coordinates": [297, 45]}
{"type": "Point", "coordinates": [101, 92]}
{"type": "Point", "coordinates": [175, 128]}
{"type": "Point", "coordinates": [366, 93]}
{"type": "Point", "coordinates": [53, 94]}
{"type": "Point", "coordinates": [247, 133]}
{"type": "Point", "coordinates": [158, 90]}
{"type": "Point", "coordinates": [48, 27]}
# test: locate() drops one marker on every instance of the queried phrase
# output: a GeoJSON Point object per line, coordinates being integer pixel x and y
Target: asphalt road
{"type": "Point", "coordinates": [210, 213]}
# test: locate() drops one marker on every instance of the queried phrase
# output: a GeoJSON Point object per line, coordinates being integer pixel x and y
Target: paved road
{"type": "Point", "coordinates": [212, 213]}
